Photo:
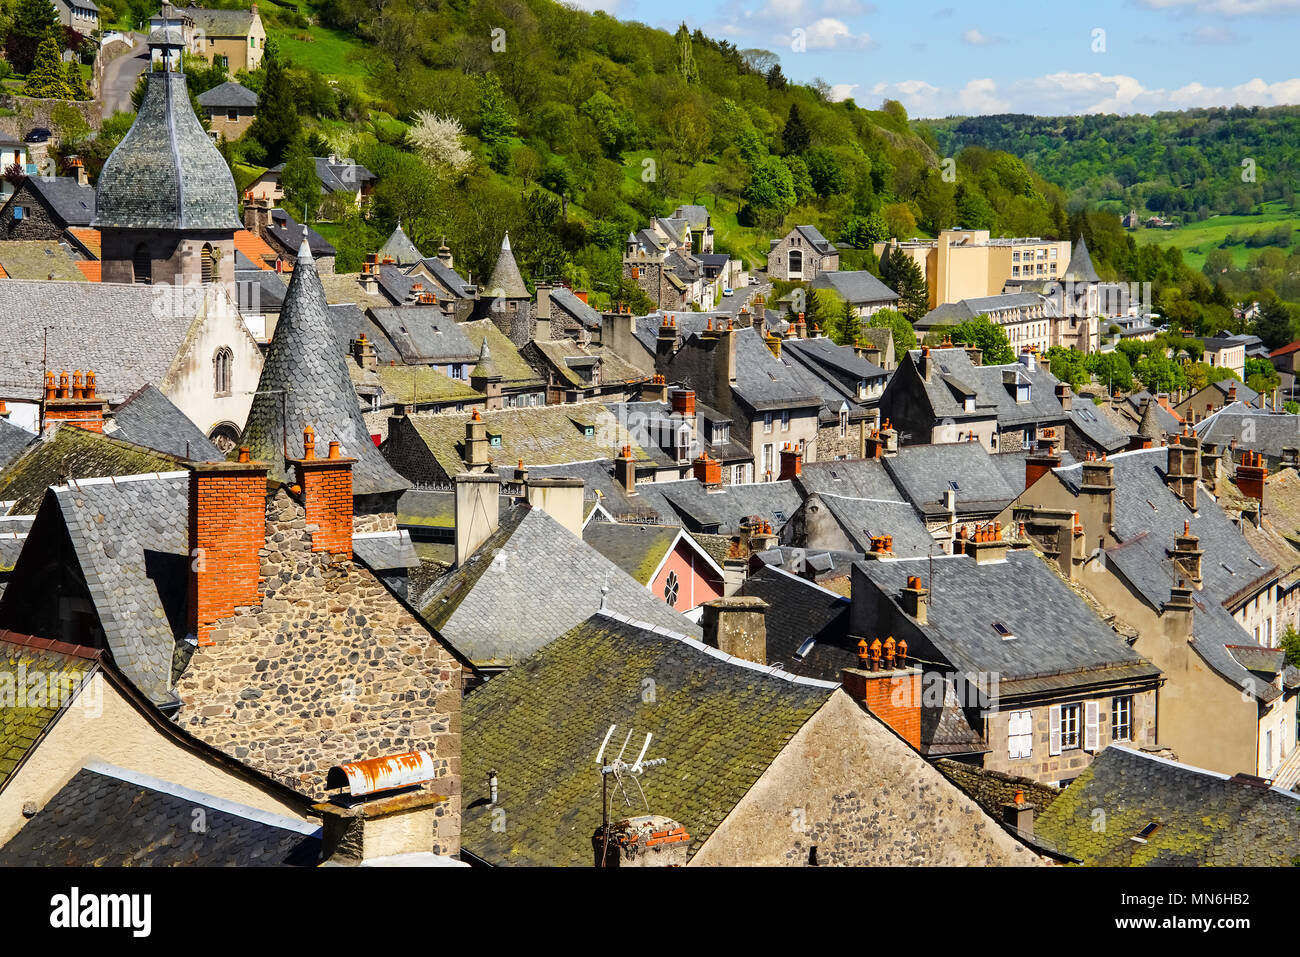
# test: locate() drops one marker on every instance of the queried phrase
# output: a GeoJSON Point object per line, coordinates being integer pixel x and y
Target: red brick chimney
{"type": "Point", "coordinates": [791, 462]}
{"type": "Point", "coordinates": [1251, 474]}
{"type": "Point", "coordinates": [1038, 464]}
{"type": "Point", "coordinates": [227, 530]}
{"type": "Point", "coordinates": [73, 402]}
{"type": "Point", "coordinates": [326, 488]}
{"type": "Point", "coordinates": [683, 402]}
{"type": "Point", "coordinates": [707, 471]}
{"type": "Point", "coordinates": [887, 686]}
{"type": "Point", "coordinates": [625, 470]}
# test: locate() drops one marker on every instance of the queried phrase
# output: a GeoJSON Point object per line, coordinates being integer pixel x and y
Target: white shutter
{"type": "Point", "coordinates": [1027, 734]}
{"type": "Point", "coordinates": [1054, 724]}
{"type": "Point", "coordinates": [1091, 726]}
{"type": "Point", "coordinates": [1013, 734]}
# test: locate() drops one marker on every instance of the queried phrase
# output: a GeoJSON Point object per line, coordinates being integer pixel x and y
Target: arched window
{"type": "Point", "coordinates": [221, 369]}
{"type": "Point", "coordinates": [208, 264]}
{"type": "Point", "coordinates": [796, 262]}
{"type": "Point", "coordinates": [142, 265]}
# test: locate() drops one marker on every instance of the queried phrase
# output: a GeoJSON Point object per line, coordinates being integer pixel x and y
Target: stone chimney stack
{"type": "Point", "coordinates": [326, 488]}
{"type": "Point", "coordinates": [650, 840]}
{"type": "Point", "coordinates": [986, 544]}
{"type": "Point", "coordinates": [363, 350]}
{"type": "Point", "coordinates": [737, 626]}
{"type": "Point", "coordinates": [1065, 396]}
{"type": "Point", "coordinates": [478, 511]}
{"type": "Point", "coordinates": [1188, 554]}
{"type": "Point", "coordinates": [665, 343]}
{"type": "Point", "coordinates": [1019, 816]}
{"type": "Point", "coordinates": [1183, 469]}
{"type": "Point", "coordinates": [625, 470]}
{"type": "Point", "coordinates": [915, 599]}
{"type": "Point", "coordinates": [560, 498]}
{"type": "Point", "coordinates": [227, 529]}
{"type": "Point", "coordinates": [926, 365]}
{"type": "Point", "coordinates": [72, 401]}
{"type": "Point", "coordinates": [1098, 479]}
{"type": "Point", "coordinates": [656, 390]}
{"type": "Point", "coordinates": [476, 443]}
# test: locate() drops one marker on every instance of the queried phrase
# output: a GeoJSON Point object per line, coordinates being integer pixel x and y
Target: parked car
{"type": "Point", "coordinates": [728, 291]}
{"type": "Point", "coordinates": [39, 135]}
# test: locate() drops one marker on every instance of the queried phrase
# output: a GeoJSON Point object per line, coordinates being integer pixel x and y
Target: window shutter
{"type": "Point", "coordinates": [1013, 734]}
{"type": "Point", "coordinates": [1054, 723]}
{"type": "Point", "coordinates": [1091, 727]}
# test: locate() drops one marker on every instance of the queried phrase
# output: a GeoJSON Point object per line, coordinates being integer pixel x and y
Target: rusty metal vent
{"type": "Point", "coordinates": [374, 775]}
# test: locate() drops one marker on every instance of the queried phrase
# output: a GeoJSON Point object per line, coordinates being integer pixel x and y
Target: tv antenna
{"type": "Point", "coordinates": [622, 773]}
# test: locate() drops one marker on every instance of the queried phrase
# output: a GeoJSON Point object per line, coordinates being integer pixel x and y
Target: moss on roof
{"type": "Point", "coordinates": [422, 384]}
{"type": "Point", "coordinates": [25, 718]}
{"type": "Point", "coordinates": [637, 549]}
{"type": "Point", "coordinates": [515, 372]}
{"type": "Point", "coordinates": [73, 453]}
{"type": "Point", "coordinates": [38, 259]}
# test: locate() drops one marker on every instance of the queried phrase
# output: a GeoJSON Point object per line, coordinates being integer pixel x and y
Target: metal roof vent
{"type": "Point", "coordinates": [377, 775]}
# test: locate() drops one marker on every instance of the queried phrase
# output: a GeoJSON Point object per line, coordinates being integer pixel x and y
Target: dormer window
{"type": "Point", "coordinates": [588, 431]}
{"type": "Point", "coordinates": [494, 441]}
{"type": "Point", "coordinates": [969, 404]}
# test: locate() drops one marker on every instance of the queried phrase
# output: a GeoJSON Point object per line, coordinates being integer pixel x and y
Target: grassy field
{"type": "Point", "coordinates": [1197, 239]}
{"type": "Point", "coordinates": [328, 52]}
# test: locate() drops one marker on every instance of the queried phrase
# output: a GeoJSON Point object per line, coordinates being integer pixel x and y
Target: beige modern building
{"type": "Point", "coordinates": [968, 264]}
{"type": "Point", "coordinates": [233, 39]}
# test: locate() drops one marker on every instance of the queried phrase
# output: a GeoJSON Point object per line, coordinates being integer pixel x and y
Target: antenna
{"type": "Point", "coordinates": [622, 772]}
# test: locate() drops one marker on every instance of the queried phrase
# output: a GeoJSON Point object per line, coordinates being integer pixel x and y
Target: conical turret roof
{"type": "Point", "coordinates": [400, 248]}
{"type": "Point", "coordinates": [1080, 267]}
{"type": "Point", "coordinates": [506, 281]}
{"type": "Point", "coordinates": [486, 368]}
{"type": "Point", "coordinates": [166, 173]}
{"type": "Point", "coordinates": [305, 381]}
{"type": "Point", "coordinates": [1149, 426]}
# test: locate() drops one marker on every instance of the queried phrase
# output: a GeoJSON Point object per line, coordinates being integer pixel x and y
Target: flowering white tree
{"type": "Point", "coordinates": [438, 141]}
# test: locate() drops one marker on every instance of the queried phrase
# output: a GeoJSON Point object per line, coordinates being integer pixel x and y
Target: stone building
{"type": "Point", "coordinates": [231, 109]}
{"type": "Point", "coordinates": [803, 254]}
{"type": "Point", "coordinates": [505, 299]}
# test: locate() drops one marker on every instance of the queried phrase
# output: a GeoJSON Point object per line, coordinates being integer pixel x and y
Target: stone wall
{"type": "Point", "coordinates": [36, 222]}
{"type": "Point", "coordinates": [407, 453]}
{"type": "Point", "coordinates": [329, 668]}
{"type": "Point", "coordinates": [32, 113]}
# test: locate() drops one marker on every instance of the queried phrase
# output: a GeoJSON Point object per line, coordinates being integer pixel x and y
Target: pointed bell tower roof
{"type": "Point", "coordinates": [305, 381]}
{"type": "Point", "coordinates": [400, 248]}
{"type": "Point", "coordinates": [1080, 268]}
{"type": "Point", "coordinates": [506, 281]}
{"type": "Point", "coordinates": [486, 368]}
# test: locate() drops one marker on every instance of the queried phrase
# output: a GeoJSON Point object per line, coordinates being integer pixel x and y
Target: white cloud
{"type": "Point", "coordinates": [1212, 36]}
{"type": "Point", "coordinates": [842, 91]}
{"type": "Point", "coordinates": [1075, 93]}
{"type": "Point", "coordinates": [977, 38]}
{"type": "Point", "coordinates": [1227, 8]}
{"type": "Point", "coordinates": [831, 34]}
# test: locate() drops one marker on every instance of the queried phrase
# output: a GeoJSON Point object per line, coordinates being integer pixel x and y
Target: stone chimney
{"type": "Point", "coordinates": [369, 276]}
{"type": "Point", "coordinates": [1178, 611]}
{"type": "Point", "coordinates": [1188, 554]}
{"type": "Point", "coordinates": [1098, 480]}
{"type": "Point", "coordinates": [773, 340]}
{"type": "Point", "coordinates": [736, 626]}
{"type": "Point", "coordinates": [656, 390]}
{"type": "Point", "coordinates": [926, 365]}
{"type": "Point", "coordinates": [72, 401]}
{"type": "Point", "coordinates": [560, 498]}
{"type": "Point", "coordinates": [887, 686]}
{"type": "Point", "coordinates": [326, 489]}
{"type": "Point", "coordinates": [1019, 816]}
{"type": "Point", "coordinates": [707, 471]}
{"type": "Point", "coordinates": [665, 342]}
{"type": "Point", "coordinates": [882, 546]}
{"type": "Point", "coordinates": [476, 443]}
{"type": "Point", "coordinates": [650, 840]}
{"type": "Point", "coordinates": [1251, 473]}
{"type": "Point", "coordinates": [79, 170]}
{"type": "Point", "coordinates": [756, 535]}
{"type": "Point", "coordinates": [985, 544]}
{"type": "Point", "coordinates": [915, 599]}
{"type": "Point", "coordinates": [478, 511]}
{"type": "Point", "coordinates": [363, 350]}
{"type": "Point", "coordinates": [1039, 463]}
{"type": "Point", "coordinates": [791, 462]}
{"type": "Point", "coordinates": [1183, 469]}
{"type": "Point", "coordinates": [392, 807]}
{"type": "Point", "coordinates": [1065, 396]}
{"type": "Point", "coordinates": [625, 470]}
{"type": "Point", "coordinates": [227, 529]}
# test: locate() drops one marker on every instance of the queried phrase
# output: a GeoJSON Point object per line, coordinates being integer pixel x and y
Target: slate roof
{"type": "Point", "coordinates": [343, 176]}
{"type": "Point", "coordinates": [637, 549]}
{"type": "Point", "coordinates": [421, 384]}
{"type": "Point", "coordinates": [722, 510]}
{"type": "Point", "coordinates": [383, 551]}
{"type": "Point", "coordinates": [856, 287]}
{"type": "Point", "coordinates": [13, 440]}
{"type": "Point", "coordinates": [424, 334]}
{"type": "Point", "coordinates": [954, 375]}
{"type": "Point", "coordinates": [506, 281]}
{"type": "Point", "coordinates": [992, 789]}
{"type": "Point", "coordinates": [399, 246]}
{"type": "Point", "coordinates": [800, 610]}
{"type": "Point", "coordinates": [305, 381]}
{"type": "Point", "coordinates": [88, 323]}
{"type": "Point", "coordinates": [288, 232]}
{"type": "Point", "coordinates": [1203, 818]}
{"type": "Point", "coordinates": [765, 382]}
{"type": "Point", "coordinates": [71, 203]}
{"type": "Point", "coordinates": [566, 355]}
{"type": "Point", "coordinates": [814, 236]}
{"type": "Point", "coordinates": [1080, 268]}
{"type": "Point", "coordinates": [860, 519]}
{"type": "Point", "coordinates": [850, 478]}
{"type": "Point", "coordinates": [23, 722]}
{"type": "Point", "coordinates": [228, 95]}
{"type": "Point", "coordinates": [451, 283]}
{"type": "Point", "coordinates": [1057, 635]}
{"type": "Point", "coordinates": [130, 535]}
{"type": "Point", "coordinates": [219, 23]}
{"type": "Point", "coordinates": [261, 290]}
{"type": "Point", "coordinates": [74, 454]}
{"type": "Point", "coordinates": [166, 173]}
{"type": "Point", "coordinates": [839, 360]}
{"type": "Point", "coordinates": [148, 418]}
{"type": "Point", "coordinates": [38, 259]}
{"type": "Point", "coordinates": [719, 722]}
{"type": "Point", "coordinates": [923, 474]}
{"type": "Point", "coordinates": [109, 817]}
{"type": "Point", "coordinates": [516, 373]}
{"type": "Point", "coordinates": [529, 582]}
{"type": "Point", "coordinates": [1268, 433]}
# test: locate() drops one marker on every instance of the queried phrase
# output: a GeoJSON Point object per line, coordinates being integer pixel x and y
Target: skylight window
{"type": "Point", "coordinates": [804, 648]}
{"type": "Point", "coordinates": [1142, 835]}
{"type": "Point", "coordinates": [1003, 631]}
{"type": "Point", "coordinates": [954, 486]}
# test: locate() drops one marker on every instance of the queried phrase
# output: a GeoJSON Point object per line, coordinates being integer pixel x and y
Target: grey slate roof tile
{"type": "Point", "coordinates": [148, 418]}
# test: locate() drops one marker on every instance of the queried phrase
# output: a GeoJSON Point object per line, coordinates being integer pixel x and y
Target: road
{"type": "Point", "coordinates": [120, 77]}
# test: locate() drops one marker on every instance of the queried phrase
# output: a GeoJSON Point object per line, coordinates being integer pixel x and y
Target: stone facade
{"type": "Point", "coordinates": [796, 258]}
{"type": "Point", "coordinates": [329, 668]}
{"type": "Point", "coordinates": [37, 223]}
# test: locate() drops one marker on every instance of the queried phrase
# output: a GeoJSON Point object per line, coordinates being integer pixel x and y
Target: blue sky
{"type": "Point", "coordinates": [941, 57]}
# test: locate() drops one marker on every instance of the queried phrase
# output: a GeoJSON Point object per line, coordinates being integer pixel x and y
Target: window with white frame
{"type": "Point", "coordinates": [1121, 718]}
{"type": "Point", "coordinates": [767, 421]}
{"type": "Point", "coordinates": [768, 451]}
{"type": "Point", "coordinates": [1064, 728]}
{"type": "Point", "coordinates": [785, 421]}
{"type": "Point", "coordinates": [1020, 734]}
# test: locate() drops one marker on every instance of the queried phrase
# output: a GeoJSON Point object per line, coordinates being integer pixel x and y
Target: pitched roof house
{"type": "Point", "coordinates": [743, 744]}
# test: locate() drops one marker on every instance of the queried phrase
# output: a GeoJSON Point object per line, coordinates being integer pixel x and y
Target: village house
{"type": "Point", "coordinates": [863, 292]}
{"type": "Point", "coordinates": [230, 108]}
{"type": "Point", "coordinates": [1187, 588]}
{"type": "Point", "coordinates": [850, 387]}
{"type": "Point", "coordinates": [80, 15]}
{"type": "Point", "coordinates": [803, 254]}
{"type": "Point", "coordinates": [577, 373]}
{"type": "Point", "coordinates": [232, 39]}
{"type": "Point", "coordinates": [681, 436]}
{"type": "Point", "coordinates": [743, 745]}
{"type": "Point", "coordinates": [664, 558]}
{"type": "Point", "coordinates": [46, 207]}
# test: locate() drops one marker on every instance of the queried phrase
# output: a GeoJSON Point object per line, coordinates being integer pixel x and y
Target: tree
{"type": "Point", "coordinates": [985, 335]}
{"type": "Point", "coordinates": [775, 78]}
{"type": "Point", "coordinates": [74, 81]}
{"type": "Point", "coordinates": [438, 141]}
{"type": "Point", "coordinates": [1111, 369]}
{"type": "Point", "coordinates": [277, 123]}
{"type": "Point", "coordinates": [863, 232]}
{"type": "Point", "coordinates": [1067, 365]}
{"type": "Point", "coordinates": [795, 137]}
{"type": "Point", "coordinates": [300, 183]}
{"type": "Point", "coordinates": [770, 193]}
{"type": "Point", "coordinates": [496, 120]}
{"type": "Point", "coordinates": [1159, 373]}
{"type": "Point", "coordinates": [903, 334]}
{"type": "Point", "coordinates": [1290, 643]}
{"type": "Point", "coordinates": [47, 79]}
{"type": "Point", "coordinates": [1274, 324]}
{"type": "Point", "coordinates": [685, 57]}
{"type": "Point", "coordinates": [33, 22]}
{"type": "Point", "coordinates": [901, 273]}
